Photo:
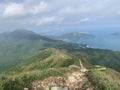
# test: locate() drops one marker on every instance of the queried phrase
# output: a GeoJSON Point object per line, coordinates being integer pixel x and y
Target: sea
{"type": "Point", "coordinates": [104, 38]}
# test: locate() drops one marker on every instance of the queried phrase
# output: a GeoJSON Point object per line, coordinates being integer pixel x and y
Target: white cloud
{"type": "Point", "coordinates": [41, 7]}
{"type": "Point", "coordinates": [46, 21]}
{"type": "Point", "coordinates": [51, 12]}
{"type": "Point", "coordinates": [68, 10]}
{"type": "Point", "coordinates": [84, 20]}
{"type": "Point", "coordinates": [20, 9]}
{"type": "Point", "coordinates": [13, 9]}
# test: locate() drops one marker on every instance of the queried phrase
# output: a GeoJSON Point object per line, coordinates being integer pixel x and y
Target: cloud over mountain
{"type": "Point", "coordinates": [24, 13]}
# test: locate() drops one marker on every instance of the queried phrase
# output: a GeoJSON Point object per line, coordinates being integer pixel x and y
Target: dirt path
{"type": "Point", "coordinates": [82, 68]}
{"type": "Point", "coordinates": [74, 81]}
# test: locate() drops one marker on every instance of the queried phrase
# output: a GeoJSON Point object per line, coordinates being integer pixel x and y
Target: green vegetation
{"type": "Point", "coordinates": [48, 58]}
{"type": "Point", "coordinates": [55, 62]}
{"type": "Point", "coordinates": [22, 55]}
{"type": "Point", "coordinates": [104, 79]}
{"type": "Point", "coordinates": [101, 57]}
{"type": "Point", "coordinates": [49, 62]}
{"type": "Point", "coordinates": [24, 79]}
{"type": "Point", "coordinates": [17, 46]}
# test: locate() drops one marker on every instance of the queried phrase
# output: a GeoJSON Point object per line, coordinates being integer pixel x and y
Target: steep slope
{"type": "Point", "coordinates": [95, 79]}
{"type": "Point", "coordinates": [57, 67]}
{"type": "Point", "coordinates": [21, 44]}
{"type": "Point", "coordinates": [101, 57]}
{"type": "Point", "coordinates": [48, 58]}
{"type": "Point", "coordinates": [50, 62]}
{"type": "Point", "coordinates": [18, 45]}
{"type": "Point", "coordinates": [104, 79]}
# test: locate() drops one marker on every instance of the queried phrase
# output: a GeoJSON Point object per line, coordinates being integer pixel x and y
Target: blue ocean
{"type": "Point", "coordinates": [104, 38]}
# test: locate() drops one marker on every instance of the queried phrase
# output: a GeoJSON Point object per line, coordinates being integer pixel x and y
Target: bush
{"type": "Point", "coordinates": [101, 80]}
{"type": "Point", "coordinates": [13, 85]}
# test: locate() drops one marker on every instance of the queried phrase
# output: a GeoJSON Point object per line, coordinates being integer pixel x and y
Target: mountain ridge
{"type": "Point", "coordinates": [13, 51]}
{"type": "Point", "coordinates": [49, 66]}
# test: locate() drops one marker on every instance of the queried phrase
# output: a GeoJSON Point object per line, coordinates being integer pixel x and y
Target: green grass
{"type": "Point", "coordinates": [15, 48]}
{"type": "Point", "coordinates": [101, 57]}
{"type": "Point", "coordinates": [48, 58]}
{"type": "Point", "coordinates": [49, 62]}
{"type": "Point", "coordinates": [25, 79]}
{"type": "Point", "coordinates": [54, 62]}
{"type": "Point", "coordinates": [104, 79]}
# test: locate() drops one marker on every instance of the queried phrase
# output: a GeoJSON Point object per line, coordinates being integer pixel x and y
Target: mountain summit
{"type": "Point", "coordinates": [19, 44]}
{"type": "Point", "coordinates": [24, 34]}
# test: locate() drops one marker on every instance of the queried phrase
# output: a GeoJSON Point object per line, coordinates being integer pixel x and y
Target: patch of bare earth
{"type": "Point", "coordinates": [74, 81]}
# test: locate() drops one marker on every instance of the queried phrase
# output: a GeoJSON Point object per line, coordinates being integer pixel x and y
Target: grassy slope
{"type": "Point", "coordinates": [101, 57]}
{"type": "Point", "coordinates": [53, 62]}
{"type": "Point", "coordinates": [12, 51]}
{"type": "Point", "coordinates": [104, 79]}
{"type": "Point", "coordinates": [19, 45]}
{"type": "Point", "coordinates": [48, 58]}
{"type": "Point", "coordinates": [15, 48]}
{"type": "Point", "coordinates": [50, 62]}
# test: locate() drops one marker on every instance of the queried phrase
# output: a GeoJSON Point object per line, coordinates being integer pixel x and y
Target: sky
{"type": "Point", "coordinates": [40, 14]}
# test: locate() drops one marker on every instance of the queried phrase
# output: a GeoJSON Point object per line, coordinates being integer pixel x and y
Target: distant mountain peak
{"type": "Point", "coordinates": [25, 31]}
{"type": "Point", "coordinates": [116, 34]}
{"type": "Point", "coordinates": [21, 30]}
{"type": "Point", "coordinates": [23, 34]}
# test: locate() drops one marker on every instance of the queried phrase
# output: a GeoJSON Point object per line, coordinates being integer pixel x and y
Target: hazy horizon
{"type": "Point", "coordinates": [45, 15]}
{"type": "Point", "coordinates": [54, 18]}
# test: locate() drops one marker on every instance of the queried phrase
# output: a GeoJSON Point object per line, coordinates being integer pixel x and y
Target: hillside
{"type": "Point", "coordinates": [101, 57]}
{"type": "Point", "coordinates": [49, 62]}
{"type": "Point", "coordinates": [104, 78]}
{"type": "Point", "coordinates": [21, 44]}
{"type": "Point", "coordinates": [48, 58]}
{"type": "Point", "coordinates": [18, 45]}
{"type": "Point", "coordinates": [57, 67]}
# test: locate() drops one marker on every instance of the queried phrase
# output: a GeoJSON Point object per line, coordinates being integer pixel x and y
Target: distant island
{"type": "Point", "coordinates": [75, 36]}
{"type": "Point", "coordinates": [116, 33]}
